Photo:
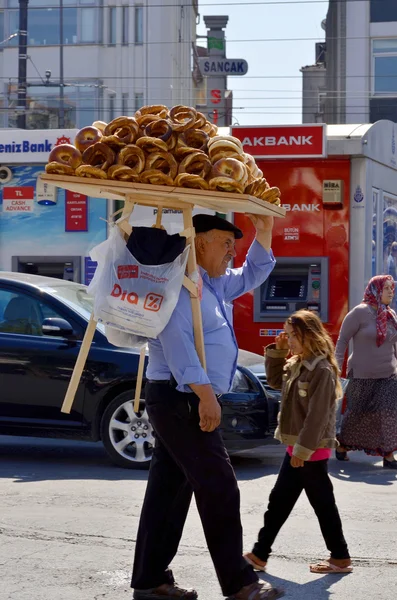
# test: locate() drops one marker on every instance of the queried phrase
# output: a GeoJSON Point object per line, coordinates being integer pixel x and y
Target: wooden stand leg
{"type": "Point", "coordinates": [79, 366]}
{"type": "Point", "coordinates": [139, 377]}
{"type": "Point", "coordinates": [196, 306]}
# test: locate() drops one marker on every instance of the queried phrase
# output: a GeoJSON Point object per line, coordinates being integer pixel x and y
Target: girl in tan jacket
{"type": "Point", "coordinates": [310, 386]}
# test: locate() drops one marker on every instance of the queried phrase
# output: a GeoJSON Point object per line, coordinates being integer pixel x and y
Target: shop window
{"type": "Point", "coordinates": [112, 26]}
{"type": "Point", "coordinates": [385, 66]}
{"type": "Point", "coordinates": [125, 17]}
{"type": "Point", "coordinates": [375, 203]}
{"type": "Point", "coordinates": [138, 14]}
{"type": "Point", "coordinates": [390, 237]}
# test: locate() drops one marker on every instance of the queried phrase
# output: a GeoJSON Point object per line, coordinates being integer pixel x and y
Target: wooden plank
{"type": "Point", "coordinates": [139, 378]}
{"type": "Point", "coordinates": [79, 366]}
{"type": "Point", "coordinates": [195, 300]}
{"type": "Point", "coordinates": [166, 196]}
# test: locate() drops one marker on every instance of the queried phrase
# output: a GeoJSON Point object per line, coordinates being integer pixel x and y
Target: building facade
{"type": "Point", "coordinates": [361, 61]}
{"type": "Point", "coordinates": [117, 56]}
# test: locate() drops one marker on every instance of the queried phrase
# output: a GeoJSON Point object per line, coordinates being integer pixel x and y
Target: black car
{"type": "Point", "coordinates": [42, 323]}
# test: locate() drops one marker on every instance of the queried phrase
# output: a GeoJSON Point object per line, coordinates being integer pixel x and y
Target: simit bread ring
{"type": "Point", "coordinates": [145, 120]}
{"type": "Point", "coordinates": [182, 118]}
{"type": "Point", "coordinates": [224, 146]}
{"type": "Point", "coordinates": [159, 129]}
{"type": "Point", "coordinates": [149, 144]}
{"type": "Point", "coordinates": [125, 128]}
{"type": "Point", "coordinates": [122, 173]}
{"type": "Point", "coordinates": [172, 142]}
{"type": "Point", "coordinates": [133, 157]}
{"type": "Point", "coordinates": [65, 154]}
{"type": "Point", "coordinates": [196, 163]}
{"type": "Point", "coordinates": [187, 180]}
{"type": "Point", "coordinates": [86, 137]}
{"type": "Point", "coordinates": [156, 109]}
{"type": "Point", "coordinates": [200, 121]}
{"type": "Point", "coordinates": [90, 172]}
{"type": "Point", "coordinates": [99, 155]}
{"type": "Point", "coordinates": [226, 138]}
{"type": "Point", "coordinates": [162, 161]}
{"type": "Point", "coordinates": [156, 177]}
{"type": "Point", "coordinates": [195, 138]}
{"type": "Point", "coordinates": [225, 184]}
{"type": "Point", "coordinates": [56, 168]}
{"type": "Point", "coordinates": [271, 195]}
{"type": "Point", "coordinates": [101, 125]}
{"type": "Point", "coordinates": [230, 167]}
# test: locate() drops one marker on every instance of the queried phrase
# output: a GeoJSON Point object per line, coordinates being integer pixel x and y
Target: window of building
{"type": "Point", "coordinates": [112, 107]}
{"type": "Point", "coordinates": [2, 33]}
{"type": "Point", "coordinates": [385, 66]}
{"type": "Point", "coordinates": [81, 105]}
{"type": "Point", "coordinates": [88, 25]}
{"type": "Point", "coordinates": [383, 11]}
{"type": "Point", "coordinates": [80, 25]}
{"type": "Point", "coordinates": [138, 36]}
{"type": "Point", "coordinates": [125, 16]}
{"type": "Point", "coordinates": [112, 25]}
{"type": "Point", "coordinates": [124, 104]}
{"type": "Point", "coordinates": [138, 101]}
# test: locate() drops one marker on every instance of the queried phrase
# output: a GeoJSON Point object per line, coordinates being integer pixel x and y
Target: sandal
{"type": "Point", "coordinates": [325, 567]}
{"type": "Point", "coordinates": [164, 591]}
{"type": "Point", "coordinates": [250, 559]}
{"type": "Point", "coordinates": [259, 590]}
{"type": "Point", "coordinates": [342, 455]}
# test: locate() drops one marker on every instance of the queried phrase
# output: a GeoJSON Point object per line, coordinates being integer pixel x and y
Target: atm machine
{"type": "Point", "coordinates": [295, 283]}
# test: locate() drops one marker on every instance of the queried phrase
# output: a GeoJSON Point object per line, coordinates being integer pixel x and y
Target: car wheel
{"type": "Point", "coordinates": [127, 435]}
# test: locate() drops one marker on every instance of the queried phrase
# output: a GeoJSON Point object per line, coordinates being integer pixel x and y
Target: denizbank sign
{"type": "Point", "coordinates": [31, 146]}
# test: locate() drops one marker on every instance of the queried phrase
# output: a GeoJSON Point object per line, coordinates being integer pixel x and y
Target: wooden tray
{"type": "Point", "coordinates": [165, 196]}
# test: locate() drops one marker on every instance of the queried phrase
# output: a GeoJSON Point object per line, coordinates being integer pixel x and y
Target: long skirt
{"type": "Point", "coordinates": [370, 420]}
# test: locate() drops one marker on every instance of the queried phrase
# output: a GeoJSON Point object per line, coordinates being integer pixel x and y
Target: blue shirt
{"type": "Point", "coordinates": [174, 352]}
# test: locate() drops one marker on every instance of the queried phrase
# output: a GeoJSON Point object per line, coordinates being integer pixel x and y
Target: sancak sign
{"type": "Point", "coordinates": [283, 141]}
{"type": "Point", "coordinates": [22, 146]}
{"type": "Point", "coordinates": [223, 66]}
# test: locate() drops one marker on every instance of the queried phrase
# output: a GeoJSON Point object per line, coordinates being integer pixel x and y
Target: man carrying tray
{"type": "Point", "coordinates": [182, 404]}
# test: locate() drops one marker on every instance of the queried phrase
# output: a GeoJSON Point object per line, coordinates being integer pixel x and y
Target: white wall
{"type": "Point", "coordinates": [358, 61]}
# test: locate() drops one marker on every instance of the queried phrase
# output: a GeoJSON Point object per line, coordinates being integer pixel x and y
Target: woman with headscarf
{"type": "Point", "coordinates": [370, 420]}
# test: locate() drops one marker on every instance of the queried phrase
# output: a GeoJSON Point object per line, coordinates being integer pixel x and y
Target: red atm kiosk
{"type": "Point", "coordinates": [329, 244]}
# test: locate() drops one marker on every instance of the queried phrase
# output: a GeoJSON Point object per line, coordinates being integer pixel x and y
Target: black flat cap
{"type": "Point", "coordinates": [203, 223]}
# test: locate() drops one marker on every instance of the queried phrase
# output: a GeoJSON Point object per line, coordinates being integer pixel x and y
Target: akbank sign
{"type": "Point", "coordinates": [31, 146]}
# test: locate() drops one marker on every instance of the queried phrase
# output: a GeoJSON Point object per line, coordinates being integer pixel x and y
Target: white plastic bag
{"type": "Point", "coordinates": [134, 298]}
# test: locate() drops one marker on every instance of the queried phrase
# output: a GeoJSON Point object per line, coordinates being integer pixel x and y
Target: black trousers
{"type": "Point", "coordinates": [187, 460]}
{"type": "Point", "coordinates": [314, 479]}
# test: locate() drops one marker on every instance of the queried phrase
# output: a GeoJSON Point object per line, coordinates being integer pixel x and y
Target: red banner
{"type": "Point", "coordinates": [283, 141]}
{"type": "Point", "coordinates": [18, 199]}
{"type": "Point", "coordinates": [76, 212]}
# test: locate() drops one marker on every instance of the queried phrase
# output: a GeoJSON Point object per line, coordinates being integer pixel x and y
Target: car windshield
{"type": "Point", "coordinates": [75, 296]}
{"type": "Point", "coordinates": [253, 362]}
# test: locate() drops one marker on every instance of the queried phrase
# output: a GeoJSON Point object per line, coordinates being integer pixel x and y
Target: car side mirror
{"type": "Point", "coordinates": [57, 327]}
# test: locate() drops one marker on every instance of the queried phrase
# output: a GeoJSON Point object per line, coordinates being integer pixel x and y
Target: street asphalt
{"type": "Point", "coordinates": [69, 518]}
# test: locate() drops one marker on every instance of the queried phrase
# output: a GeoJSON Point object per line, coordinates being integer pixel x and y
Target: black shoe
{"type": "Point", "coordinates": [341, 455]}
{"type": "Point", "coordinates": [172, 592]}
{"type": "Point", "coordinates": [389, 464]}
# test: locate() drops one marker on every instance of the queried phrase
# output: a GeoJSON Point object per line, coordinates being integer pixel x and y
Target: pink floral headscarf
{"type": "Point", "coordinates": [373, 295]}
